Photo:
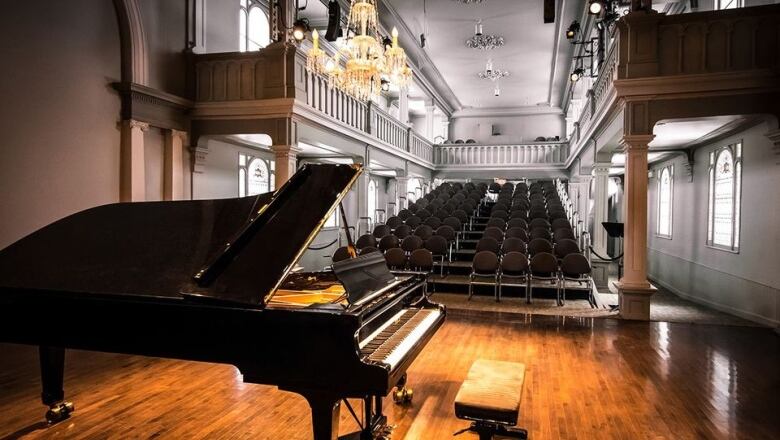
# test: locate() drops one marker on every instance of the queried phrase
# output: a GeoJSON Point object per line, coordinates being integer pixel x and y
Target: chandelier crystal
{"type": "Point", "coordinates": [484, 42]}
{"type": "Point", "coordinates": [492, 73]}
{"type": "Point", "coordinates": [367, 61]}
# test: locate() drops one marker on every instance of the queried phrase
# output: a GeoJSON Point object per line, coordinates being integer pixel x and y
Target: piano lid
{"type": "Point", "coordinates": [167, 249]}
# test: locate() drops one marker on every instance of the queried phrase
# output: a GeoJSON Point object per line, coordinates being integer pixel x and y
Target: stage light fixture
{"type": "Point", "coordinates": [576, 74]}
{"type": "Point", "coordinates": [573, 30]}
{"type": "Point", "coordinates": [300, 27]}
{"type": "Point", "coordinates": [385, 85]}
{"type": "Point", "coordinates": [595, 7]}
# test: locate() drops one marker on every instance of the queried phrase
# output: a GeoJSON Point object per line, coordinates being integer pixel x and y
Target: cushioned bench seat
{"type": "Point", "coordinates": [491, 392]}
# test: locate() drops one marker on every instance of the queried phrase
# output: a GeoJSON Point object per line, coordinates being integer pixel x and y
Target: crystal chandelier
{"type": "Point", "coordinates": [367, 61]}
{"type": "Point", "coordinates": [483, 42]}
{"type": "Point", "coordinates": [469, 2]}
{"type": "Point", "coordinates": [492, 73]}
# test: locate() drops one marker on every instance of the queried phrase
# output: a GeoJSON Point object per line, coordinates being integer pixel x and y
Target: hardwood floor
{"type": "Point", "coordinates": [585, 378]}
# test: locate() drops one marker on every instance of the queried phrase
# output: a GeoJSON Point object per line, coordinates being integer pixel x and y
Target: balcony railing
{"type": "Point", "coordinates": [500, 156]}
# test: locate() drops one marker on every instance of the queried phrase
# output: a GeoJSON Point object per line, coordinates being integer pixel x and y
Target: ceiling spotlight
{"type": "Point", "coordinates": [385, 85]}
{"type": "Point", "coordinates": [300, 27]}
{"type": "Point", "coordinates": [595, 7]}
{"type": "Point", "coordinates": [573, 30]}
{"type": "Point", "coordinates": [497, 90]}
{"type": "Point", "coordinates": [576, 74]}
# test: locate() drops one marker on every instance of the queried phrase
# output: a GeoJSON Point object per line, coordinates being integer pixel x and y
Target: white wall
{"type": "Point", "coordinates": [745, 283]}
{"type": "Point", "coordinates": [219, 179]}
{"type": "Point", "coordinates": [59, 115]}
{"type": "Point", "coordinates": [514, 129]}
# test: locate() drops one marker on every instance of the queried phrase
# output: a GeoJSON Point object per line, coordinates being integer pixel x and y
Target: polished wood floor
{"type": "Point", "coordinates": [586, 378]}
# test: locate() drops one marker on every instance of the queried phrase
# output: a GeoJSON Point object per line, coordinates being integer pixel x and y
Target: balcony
{"type": "Point", "coordinates": [452, 157]}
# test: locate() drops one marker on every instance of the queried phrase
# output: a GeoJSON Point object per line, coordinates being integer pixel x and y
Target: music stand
{"type": "Point", "coordinates": [615, 230]}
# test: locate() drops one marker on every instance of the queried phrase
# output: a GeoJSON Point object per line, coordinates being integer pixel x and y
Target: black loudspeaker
{"type": "Point", "coordinates": [694, 4]}
{"type": "Point", "coordinates": [549, 11]}
{"type": "Point", "coordinates": [334, 21]}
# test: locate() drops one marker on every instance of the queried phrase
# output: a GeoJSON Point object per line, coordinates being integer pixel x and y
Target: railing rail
{"type": "Point", "coordinates": [419, 146]}
{"type": "Point", "coordinates": [462, 155]}
{"type": "Point", "coordinates": [388, 129]}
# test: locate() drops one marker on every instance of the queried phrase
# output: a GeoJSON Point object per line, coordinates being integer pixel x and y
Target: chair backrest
{"type": "Point", "coordinates": [485, 262]}
{"type": "Point", "coordinates": [517, 222]}
{"type": "Point", "coordinates": [443, 213]}
{"type": "Point", "coordinates": [421, 260]}
{"type": "Point", "coordinates": [433, 222]}
{"type": "Point", "coordinates": [413, 221]}
{"type": "Point", "coordinates": [488, 244]}
{"type": "Point", "coordinates": [341, 254]}
{"type": "Point", "coordinates": [381, 231]}
{"type": "Point", "coordinates": [395, 258]}
{"type": "Point", "coordinates": [411, 243]}
{"type": "Point", "coordinates": [437, 245]}
{"type": "Point", "coordinates": [453, 222]}
{"type": "Point", "coordinates": [388, 242]}
{"type": "Point", "coordinates": [575, 266]}
{"type": "Point", "coordinates": [404, 214]}
{"type": "Point", "coordinates": [539, 245]}
{"type": "Point", "coordinates": [367, 250]}
{"type": "Point", "coordinates": [365, 241]}
{"type": "Point", "coordinates": [394, 221]}
{"type": "Point", "coordinates": [514, 263]}
{"type": "Point", "coordinates": [563, 234]}
{"type": "Point", "coordinates": [446, 231]}
{"type": "Point", "coordinates": [539, 223]}
{"type": "Point", "coordinates": [402, 231]}
{"type": "Point", "coordinates": [494, 233]}
{"type": "Point", "coordinates": [516, 232]}
{"type": "Point", "coordinates": [565, 247]}
{"type": "Point", "coordinates": [423, 231]}
{"type": "Point", "coordinates": [519, 213]}
{"type": "Point", "coordinates": [497, 222]}
{"type": "Point", "coordinates": [500, 213]}
{"type": "Point", "coordinates": [540, 233]}
{"type": "Point", "coordinates": [544, 264]}
{"type": "Point", "coordinates": [423, 214]}
{"type": "Point", "coordinates": [559, 223]}
{"type": "Point", "coordinates": [513, 245]}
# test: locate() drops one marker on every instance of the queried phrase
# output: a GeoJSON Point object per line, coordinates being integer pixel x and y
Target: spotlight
{"type": "Point", "coordinates": [497, 91]}
{"type": "Point", "coordinates": [576, 74]}
{"type": "Point", "coordinates": [385, 85]}
{"type": "Point", "coordinates": [300, 27]}
{"type": "Point", "coordinates": [573, 30]}
{"type": "Point", "coordinates": [595, 7]}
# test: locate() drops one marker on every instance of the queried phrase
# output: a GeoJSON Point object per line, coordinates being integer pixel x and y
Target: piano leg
{"type": "Point", "coordinates": [52, 360]}
{"type": "Point", "coordinates": [325, 410]}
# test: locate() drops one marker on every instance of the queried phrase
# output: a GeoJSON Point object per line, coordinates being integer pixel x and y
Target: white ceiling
{"type": "Point", "coordinates": [527, 54]}
{"type": "Point", "coordinates": [681, 132]}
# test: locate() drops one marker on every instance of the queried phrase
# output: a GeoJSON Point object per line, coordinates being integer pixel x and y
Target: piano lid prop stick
{"type": "Point", "coordinates": [350, 244]}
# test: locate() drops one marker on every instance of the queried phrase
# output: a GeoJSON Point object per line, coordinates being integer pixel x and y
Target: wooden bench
{"type": "Point", "coordinates": [490, 398]}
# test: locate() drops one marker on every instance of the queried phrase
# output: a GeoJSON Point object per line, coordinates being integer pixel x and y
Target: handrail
{"type": "Point", "coordinates": [464, 155]}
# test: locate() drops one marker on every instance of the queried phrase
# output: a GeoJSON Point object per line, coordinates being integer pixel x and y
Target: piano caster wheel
{"type": "Point", "coordinates": [59, 412]}
{"type": "Point", "coordinates": [403, 395]}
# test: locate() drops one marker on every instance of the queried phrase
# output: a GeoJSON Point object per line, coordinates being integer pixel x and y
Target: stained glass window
{"type": "Point", "coordinates": [665, 191]}
{"type": "Point", "coordinates": [255, 175]}
{"type": "Point", "coordinates": [725, 189]}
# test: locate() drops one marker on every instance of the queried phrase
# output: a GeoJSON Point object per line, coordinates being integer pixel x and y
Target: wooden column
{"type": "Point", "coordinates": [132, 186]}
{"type": "Point", "coordinates": [173, 188]}
{"type": "Point", "coordinates": [286, 163]}
{"type": "Point", "coordinates": [634, 289]}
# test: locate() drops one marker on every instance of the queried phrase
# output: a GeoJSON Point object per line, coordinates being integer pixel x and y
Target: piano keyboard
{"type": "Point", "coordinates": [390, 343]}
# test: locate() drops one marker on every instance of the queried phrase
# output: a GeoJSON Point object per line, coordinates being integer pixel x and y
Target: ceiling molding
{"type": "Point", "coordinates": [556, 48]}
{"type": "Point", "coordinates": [471, 112]}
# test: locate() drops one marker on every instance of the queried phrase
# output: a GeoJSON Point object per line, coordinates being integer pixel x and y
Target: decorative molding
{"type": "Point", "coordinates": [635, 142]}
{"type": "Point", "coordinates": [133, 123]}
{"type": "Point", "coordinates": [135, 61]}
{"type": "Point", "coordinates": [774, 136]}
{"type": "Point", "coordinates": [700, 84]}
{"type": "Point", "coordinates": [160, 109]}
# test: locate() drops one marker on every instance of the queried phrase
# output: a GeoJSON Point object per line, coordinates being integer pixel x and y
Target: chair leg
{"type": "Point", "coordinates": [471, 286]}
{"type": "Point", "coordinates": [497, 288]}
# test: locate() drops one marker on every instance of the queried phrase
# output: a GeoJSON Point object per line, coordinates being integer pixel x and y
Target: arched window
{"type": "Point", "coordinates": [255, 175]}
{"type": "Point", "coordinates": [725, 188]}
{"type": "Point", "coordinates": [665, 190]}
{"type": "Point", "coordinates": [372, 196]}
{"type": "Point", "coordinates": [253, 25]}
{"type": "Point", "coordinates": [414, 190]}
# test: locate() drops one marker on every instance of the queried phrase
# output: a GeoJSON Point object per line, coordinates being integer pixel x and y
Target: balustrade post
{"type": "Point", "coordinates": [369, 110]}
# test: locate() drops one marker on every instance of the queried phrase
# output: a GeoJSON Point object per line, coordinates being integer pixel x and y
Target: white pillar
{"type": "Point", "coordinates": [600, 206]}
{"type": "Point", "coordinates": [634, 289]}
{"type": "Point", "coordinates": [286, 157]}
{"type": "Point", "coordinates": [173, 172]}
{"type": "Point", "coordinates": [403, 105]}
{"type": "Point", "coordinates": [132, 186]}
{"type": "Point", "coordinates": [401, 189]}
{"type": "Point", "coordinates": [429, 109]}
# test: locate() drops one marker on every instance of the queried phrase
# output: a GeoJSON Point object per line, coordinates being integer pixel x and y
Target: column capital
{"type": "Point", "coordinates": [133, 123]}
{"type": "Point", "coordinates": [178, 134]}
{"type": "Point", "coordinates": [285, 149]}
{"type": "Point", "coordinates": [635, 141]}
{"type": "Point", "coordinates": [601, 169]}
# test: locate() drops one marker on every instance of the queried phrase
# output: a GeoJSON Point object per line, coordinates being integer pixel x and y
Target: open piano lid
{"type": "Point", "coordinates": [153, 249]}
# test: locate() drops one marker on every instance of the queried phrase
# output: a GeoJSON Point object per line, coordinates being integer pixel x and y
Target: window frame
{"type": "Point", "coordinates": [670, 169]}
{"type": "Point", "coordinates": [736, 150]}
{"type": "Point", "coordinates": [242, 177]}
{"type": "Point", "coordinates": [373, 193]}
{"type": "Point", "coordinates": [245, 8]}
{"type": "Point", "coordinates": [737, 4]}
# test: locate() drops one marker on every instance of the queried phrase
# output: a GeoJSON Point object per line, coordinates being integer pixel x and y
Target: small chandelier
{"type": "Point", "coordinates": [483, 42]}
{"type": "Point", "coordinates": [469, 2]}
{"type": "Point", "coordinates": [367, 59]}
{"type": "Point", "coordinates": [492, 73]}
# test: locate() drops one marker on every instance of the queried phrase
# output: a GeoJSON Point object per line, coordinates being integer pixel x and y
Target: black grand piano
{"type": "Point", "coordinates": [217, 281]}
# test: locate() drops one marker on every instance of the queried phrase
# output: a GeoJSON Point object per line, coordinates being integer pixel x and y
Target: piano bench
{"type": "Point", "coordinates": [490, 397]}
